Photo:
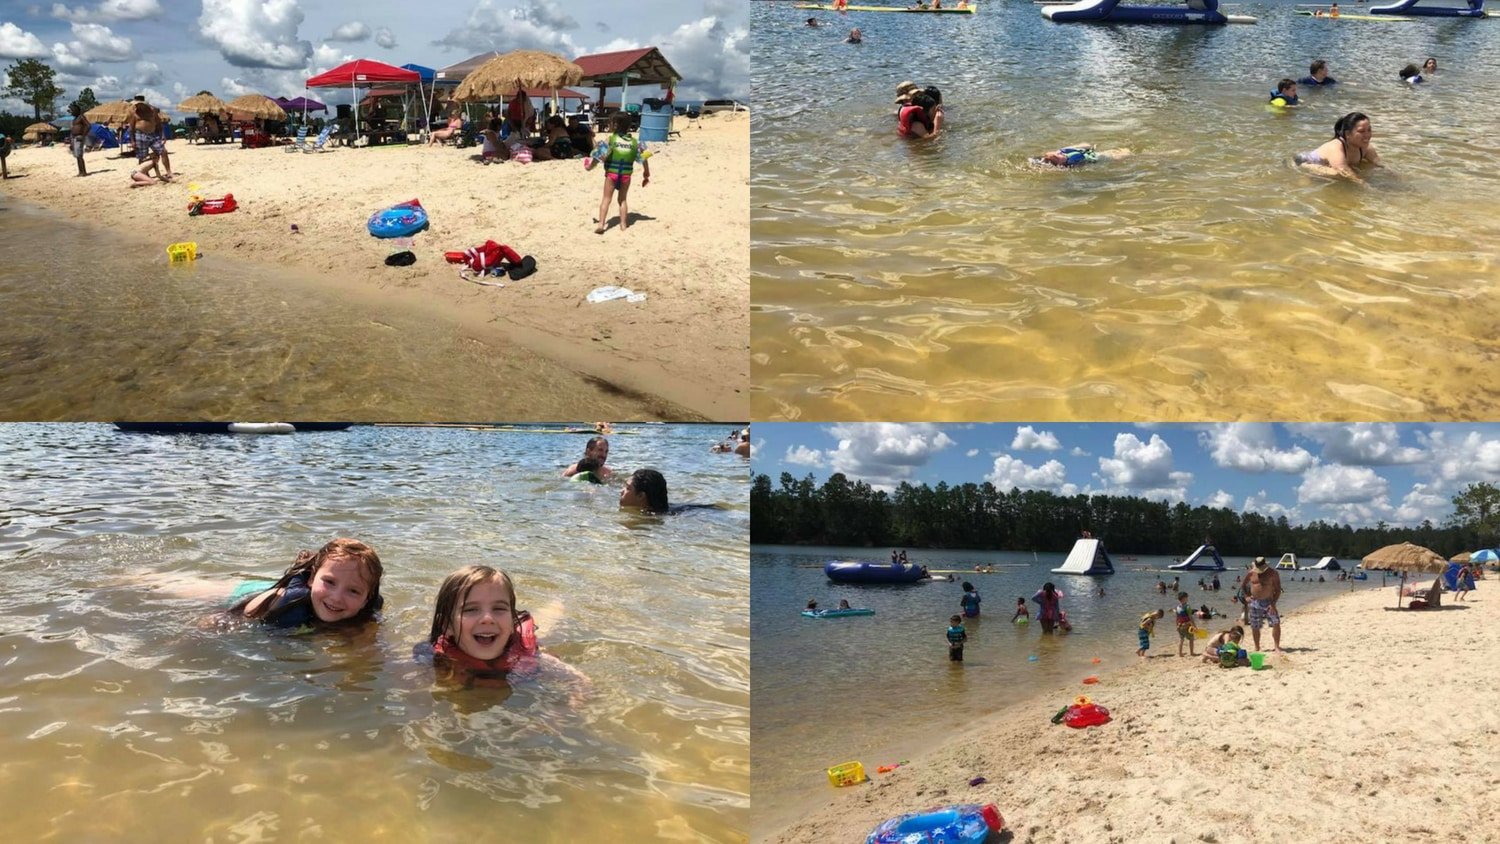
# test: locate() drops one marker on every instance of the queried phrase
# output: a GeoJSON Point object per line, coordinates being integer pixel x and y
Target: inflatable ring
{"type": "Point", "coordinates": [970, 823]}
{"type": "Point", "coordinates": [401, 220]}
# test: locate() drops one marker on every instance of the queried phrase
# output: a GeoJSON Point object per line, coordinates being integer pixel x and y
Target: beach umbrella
{"type": "Point", "coordinates": [37, 130]}
{"type": "Point", "coordinates": [203, 103]}
{"type": "Point", "coordinates": [257, 105]}
{"type": "Point", "coordinates": [1485, 556]}
{"type": "Point", "coordinates": [1405, 558]}
{"type": "Point", "coordinates": [115, 112]}
{"type": "Point", "coordinates": [1460, 557]}
{"type": "Point", "coordinates": [506, 74]}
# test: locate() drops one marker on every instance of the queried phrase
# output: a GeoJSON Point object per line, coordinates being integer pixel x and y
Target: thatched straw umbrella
{"type": "Point", "coordinates": [203, 103]}
{"type": "Point", "coordinates": [37, 130]}
{"type": "Point", "coordinates": [1461, 557]}
{"type": "Point", "coordinates": [257, 105]}
{"type": "Point", "coordinates": [110, 112]}
{"type": "Point", "coordinates": [515, 71]}
{"type": "Point", "coordinates": [1405, 558]}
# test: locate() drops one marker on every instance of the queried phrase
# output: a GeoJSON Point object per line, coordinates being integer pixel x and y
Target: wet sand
{"type": "Point", "coordinates": [681, 353]}
{"type": "Point", "coordinates": [1372, 726]}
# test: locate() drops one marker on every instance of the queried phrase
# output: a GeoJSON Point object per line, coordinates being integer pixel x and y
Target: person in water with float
{"type": "Point", "coordinates": [335, 585]}
{"type": "Point", "coordinates": [597, 448]}
{"type": "Point", "coordinates": [476, 628]}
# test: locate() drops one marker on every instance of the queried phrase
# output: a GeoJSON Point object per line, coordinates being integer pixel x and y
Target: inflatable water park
{"type": "Point", "coordinates": [1415, 8]}
{"type": "Point", "coordinates": [1113, 11]}
{"type": "Point", "coordinates": [967, 9]}
{"type": "Point", "coordinates": [1206, 558]}
{"type": "Point", "coordinates": [861, 572]}
{"type": "Point", "coordinates": [1087, 557]}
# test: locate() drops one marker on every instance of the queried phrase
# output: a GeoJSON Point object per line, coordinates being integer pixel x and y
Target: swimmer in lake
{"type": "Point", "coordinates": [1077, 155]}
{"type": "Point", "coordinates": [1349, 148]}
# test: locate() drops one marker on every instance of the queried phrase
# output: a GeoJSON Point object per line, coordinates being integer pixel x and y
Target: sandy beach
{"type": "Point", "coordinates": [1374, 725]}
{"type": "Point", "coordinates": [687, 249]}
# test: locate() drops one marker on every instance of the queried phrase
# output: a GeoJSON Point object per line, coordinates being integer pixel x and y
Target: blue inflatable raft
{"type": "Point", "coordinates": [838, 613]}
{"type": "Point", "coordinates": [402, 220]}
{"type": "Point", "coordinates": [967, 824]}
{"type": "Point", "coordinates": [853, 572]}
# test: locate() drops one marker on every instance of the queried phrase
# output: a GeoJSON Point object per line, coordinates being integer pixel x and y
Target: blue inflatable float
{"type": "Point", "coordinates": [402, 220]}
{"type": "Point", "coordinates": [838, 613]}
{"type": "Point", "coordinates": [855, 572]}
{"type": "Point", "coordinates": [967, 824]}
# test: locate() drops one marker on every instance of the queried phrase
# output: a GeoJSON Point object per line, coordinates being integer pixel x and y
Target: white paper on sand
{"type": "Point", "coordinates": [610, 292]}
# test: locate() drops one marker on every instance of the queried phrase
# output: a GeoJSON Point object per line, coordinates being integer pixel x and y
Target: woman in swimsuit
{"type": "Point", "coordinates": [1349, 148]}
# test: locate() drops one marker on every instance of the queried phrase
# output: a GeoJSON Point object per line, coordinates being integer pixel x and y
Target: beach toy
{"type": "Point", "coordinates": [838, 613]}
{"type": "Point", "coordinates": [1089, 681]}
{"type": "Point", "coordinates": [296, 230]}
{"type": "Point", "coordinates": [401, 220]}
{"type": "Point", "coordinates": [849, 773]}
{"type": "Point", "coordinates": [1097, 660]}
{"type": "Point", "coordinates": [1032, 658]}
{"type": "Point", "coordinates": [1085, 713]}
{"type": "Point", "coordinates": [1257, 661]}
{"type": "Point", "coordinates": [886, 769]}
{"type": "Point", "coordinates": [181, 253]}
{"type": "Point", "coordinates": [1023, 620]}
{"type": "Point", "coordinates": [969, 823]}
{"type": "Point", "coordinates": [212, 206]}
{"type": "Point", "coordinates": [1200, 633]}
{"type": "Point", "coordinates": [977, 781]}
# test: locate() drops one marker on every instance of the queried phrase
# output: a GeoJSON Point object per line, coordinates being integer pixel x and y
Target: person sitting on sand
{"type": "Point", "coordinates": [559, 144]}
{"type": "Point", "coordinates": [492, 149]}
{"type": "Point", "coordinates": [1223, 639]}
{"type": "Point", "coordinates": [455, 125]}
{"type": "Point", "coordinates": [1317, 75]}
{"type": "Point", "coordinates": [1077, 155]}
{"type": "Point", "coordinates": [1349, 148]}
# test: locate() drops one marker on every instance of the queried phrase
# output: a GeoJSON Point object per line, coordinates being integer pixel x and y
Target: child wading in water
{"type": "Point", "coordinates": [619, 154]}
{"type": "Point", "coordinates": [1022, 614]}
{"type": "Point", "coordinates": [476, 628]}
{"type": "Point", "coordinates": [339, 582]}
{"type": "Point", "coordinates": [1148, 626]}
{"type": "Point", "coordinates": [970, 600]}
{"type": "Point", "coordinates": [956, 638]}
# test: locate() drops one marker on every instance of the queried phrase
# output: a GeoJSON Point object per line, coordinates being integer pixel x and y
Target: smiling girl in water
{"type": "Point", "coordinates": [476, 628]}
{"type": "Point", "coordinates": [338, 583]}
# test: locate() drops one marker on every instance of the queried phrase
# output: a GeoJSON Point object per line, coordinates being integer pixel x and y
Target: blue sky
{"type": "Point", "coordinates": [1358, 474]}
{"type": "Point", "coordinates": [171, 49]}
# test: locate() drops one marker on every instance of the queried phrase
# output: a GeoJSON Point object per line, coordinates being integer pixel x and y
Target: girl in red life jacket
{"type": "Point", "coordinates": [476, 628]}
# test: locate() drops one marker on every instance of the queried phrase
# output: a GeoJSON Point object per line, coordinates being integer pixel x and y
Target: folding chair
{"type": "Point", "coordinates": [300, 144]}
{"type": "Point", "coordinates": [320, 144]}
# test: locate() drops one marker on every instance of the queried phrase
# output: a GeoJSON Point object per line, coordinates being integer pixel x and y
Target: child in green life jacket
{"type": "Point", "coordinates": [619, 153]}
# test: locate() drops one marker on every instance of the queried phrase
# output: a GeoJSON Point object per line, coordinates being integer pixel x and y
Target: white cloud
{"type": "Point", "coordinates": [385, 38]}
{"type": "Point", "coordinates": [256, 33]}
{"type": "Point", "coordinates": [712, 56]}
{"type": "Point", "coordinates": [885, 452]}
{"type": "Point", "coordinates": [1220, 498]}
{"type": "Point", "coordinates": [1011, 472]}
{"type": "Point", "coordinates": [722, 8]}
{"type": "Point", "coordinates": [110, 10]}
{"type": "Point", "coordinates": [1422, 502]}
{"type": "Point", "coordinates": [803, 456]}
{"type": "Point", "coordinates": [1261, 503]}
{"type": "Point", "coordinates": [1079, 452]}
{"type": "Point", "coordinates": [351, 31]}
{"type": "Point", "coordinates": [69, 61]}
{"type": "Point", "coordinates": [148, 73]}
{"type": "Point", "coordinates": [1251, 447]}
{"type": "Point", "coordinates": [326, 57]}
{"type": "Point", "coordinates": [1142, 468]}
{"type": "Point", "coordinates": [1360, 444]}
{"type": "Point", "coordinates": [17, 43]}
{"type": "Point", "coordinates": [1462, 459]}
{"type": "Point", "coordinates": [973, 452]}
{"type": "Point", "coordinates": [95, 42]}
{"type": "Point", "coordinates": [493, 26]}
{"type": "Point", "coordinates": [1333, 484]}
{"type": "Point", "coordinates": [1029, 439]}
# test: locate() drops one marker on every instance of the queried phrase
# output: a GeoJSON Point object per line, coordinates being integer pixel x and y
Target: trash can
{"type": "Point", "coordinates": [656, 123]}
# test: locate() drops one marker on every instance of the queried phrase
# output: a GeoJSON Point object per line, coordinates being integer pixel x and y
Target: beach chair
{"type": "Point", "coordinates": [320, 144]}
{"type": "Point", "coordinates": [300, 143]}
{"type": "Point", "coordinates": [1430, 598]}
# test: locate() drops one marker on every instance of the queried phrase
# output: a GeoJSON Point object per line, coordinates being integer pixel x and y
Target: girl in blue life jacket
{"type": "Point", "coordinates": [337, 584]}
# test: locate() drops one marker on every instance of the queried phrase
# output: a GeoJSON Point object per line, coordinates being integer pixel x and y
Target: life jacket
{"type": "Point", "coordinates": [293, 607]}
{"type": "Point", "coordinates": [620, 153]}
{"type": "Point", "coordinates": [1280, 99]}
{"type": "Point", "coordinates": [484, 257]}
{"type": "Point", "coordinates": [911, 114]}
{"type": "Point", "coordinates": [520, 655]}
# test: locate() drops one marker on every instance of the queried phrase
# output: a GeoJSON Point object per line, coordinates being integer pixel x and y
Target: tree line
{"type": "Point", "coordinates": [981, 517]}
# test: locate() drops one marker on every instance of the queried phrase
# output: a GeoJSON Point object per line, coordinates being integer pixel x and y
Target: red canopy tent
{"type": "Point", "coordinates": [363, 73]}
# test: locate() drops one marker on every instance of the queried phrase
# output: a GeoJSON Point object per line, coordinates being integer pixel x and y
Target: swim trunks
{"type": "Point", "coordinates": [1143, 636]}
{"type": "Point", "coordinates": [143, 143]}
{"type": "Point", "coordinates": [1261, 613]}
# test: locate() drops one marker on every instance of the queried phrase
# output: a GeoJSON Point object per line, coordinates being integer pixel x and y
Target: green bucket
{"type": "Point", "coordinates": [1257, 661]}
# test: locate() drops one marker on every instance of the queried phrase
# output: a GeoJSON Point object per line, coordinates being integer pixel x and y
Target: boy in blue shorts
{"type": "Point", "coordinates": [956, 638]}
{"type": "Point", "coordinates": [1147, 627]}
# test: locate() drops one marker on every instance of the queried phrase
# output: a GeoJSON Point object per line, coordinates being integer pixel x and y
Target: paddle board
{"type": "Point", "coordinates": [1344, 17]}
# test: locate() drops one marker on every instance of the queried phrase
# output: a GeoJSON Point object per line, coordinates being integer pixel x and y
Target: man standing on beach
{"type": "Point", "coordinates": [78, 135]}
{"type": "Point", "coordinates": [1262, 587]}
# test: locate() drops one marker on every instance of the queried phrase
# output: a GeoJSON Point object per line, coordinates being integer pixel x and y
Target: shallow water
{"type": "Point", "coordinates": [1204, 276]}
{"type": "Point", "coordinates": [880, 689]}
{"type": "Point", "coordinates": [121, 718]}
{"type": "Point", "coordinates": [97, 325]}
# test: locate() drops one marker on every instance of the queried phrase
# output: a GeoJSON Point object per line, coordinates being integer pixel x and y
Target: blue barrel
{"type": "Point", "coordinates": [655, 123]}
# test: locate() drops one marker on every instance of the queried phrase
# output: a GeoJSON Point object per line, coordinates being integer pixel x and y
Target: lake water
{"type": "Point", "coordinates": [1204, 275]}
{"type": "Point", "coordinates": [880, 689]}
{"type": "Point", "coordinates": [120, 718]}
{"type": "Point", "coordinates": [99, 326]}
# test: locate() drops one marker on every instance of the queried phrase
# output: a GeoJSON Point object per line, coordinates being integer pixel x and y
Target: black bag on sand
{"type": "Point", "coordinates": [523, 269]}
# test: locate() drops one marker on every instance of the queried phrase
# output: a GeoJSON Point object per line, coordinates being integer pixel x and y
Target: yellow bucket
{"type": "Point", "coordinates": [1200, 633]}
{"type": "Point", "coordinates": [181, 253]}
{"type": "Point", "coordinates": [849, 773]}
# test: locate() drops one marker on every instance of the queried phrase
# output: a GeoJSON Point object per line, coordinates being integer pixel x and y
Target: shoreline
{"type": "Point", "coordinates": [1174, 748]}
{"type": "Point", "coordinates": [683, 350]}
